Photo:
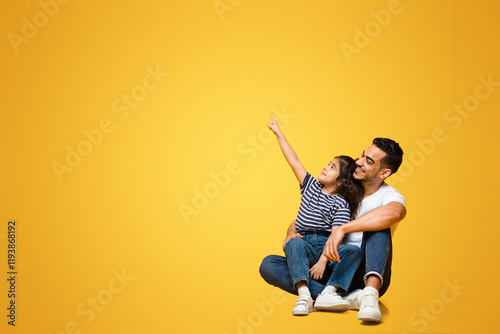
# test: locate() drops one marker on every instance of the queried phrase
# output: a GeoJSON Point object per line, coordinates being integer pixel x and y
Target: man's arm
{"type": "Point", "coordinates": [290, 155]}
{"type": "Point", "coordinates": [377, 219]}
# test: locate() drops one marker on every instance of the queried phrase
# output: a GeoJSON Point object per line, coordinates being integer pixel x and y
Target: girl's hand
{"type": "Point", "coordinates": [273, 125]}
{"type": "Point", "coordinates": [316, 271]}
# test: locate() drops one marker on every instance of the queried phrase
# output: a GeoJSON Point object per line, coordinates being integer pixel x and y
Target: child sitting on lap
{"type": "Point", "coordinates": [325, 204]}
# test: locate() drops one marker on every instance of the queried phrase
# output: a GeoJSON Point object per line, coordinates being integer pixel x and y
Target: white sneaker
{"type": "Point", "coordinates": [331, 301]}
{"type": "Point", "coordinates": [369, 310]}
{"type": "Point", "coordinates": [354, 299]}
{"type": "Point", "coordinates": [303, 306]}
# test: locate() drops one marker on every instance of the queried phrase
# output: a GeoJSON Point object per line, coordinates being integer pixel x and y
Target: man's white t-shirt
{"type": "Point", "coordinates": [383, 196]}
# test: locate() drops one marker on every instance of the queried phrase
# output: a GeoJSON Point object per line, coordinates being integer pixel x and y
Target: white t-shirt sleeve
{"type": "Point", "coordinates": [392, 195]}
{"type": "Point", "coordinates": [381, 197]}
{"type": "Point", "coordinates": [388, 195]}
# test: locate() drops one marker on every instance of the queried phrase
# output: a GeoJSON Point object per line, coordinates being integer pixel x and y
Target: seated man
{"type": "Point", "coordinates": [382, 208]}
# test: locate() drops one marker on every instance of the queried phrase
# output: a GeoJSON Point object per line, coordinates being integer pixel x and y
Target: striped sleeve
{"type": "Point", "coordinates": [308, 182]}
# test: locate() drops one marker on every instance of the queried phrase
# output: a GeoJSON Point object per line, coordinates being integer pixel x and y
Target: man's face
{"type": "Point", "coordinates": [369, 167]}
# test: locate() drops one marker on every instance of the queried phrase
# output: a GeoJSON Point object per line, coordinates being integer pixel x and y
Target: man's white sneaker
{"type": "Point", "coordinates": [354, 299]}
{"type": "Point", "coordinates": [369, 310]}
{"type": "Point", "coordinates": [331, 301]}
{"type": "Point", "coordinates": [303, 306]}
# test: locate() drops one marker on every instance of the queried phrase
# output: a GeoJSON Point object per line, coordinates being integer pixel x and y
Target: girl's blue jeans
{"type": "Point", "coordinates": [377, 246]}
{"type": "Point", "coordinates": [303, 253]}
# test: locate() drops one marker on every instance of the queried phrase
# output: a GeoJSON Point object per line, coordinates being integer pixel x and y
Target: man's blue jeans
{"type": "Point", "coordinates": [377, 247]}
{"type": "Point", "coordinates": [302, 254]}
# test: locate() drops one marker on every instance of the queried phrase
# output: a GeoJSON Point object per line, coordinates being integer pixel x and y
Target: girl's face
{"type": "Point", "coordinates": [330, 173]}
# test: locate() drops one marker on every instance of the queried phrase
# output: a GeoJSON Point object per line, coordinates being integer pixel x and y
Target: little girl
{"type": "Point", "coordinates": [325, 204]}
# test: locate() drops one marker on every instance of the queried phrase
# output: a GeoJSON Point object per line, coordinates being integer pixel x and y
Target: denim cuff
{"type": "Point", "coordinates": [373, 273]}
{"type": "Point", "coordinates": [295, 281]}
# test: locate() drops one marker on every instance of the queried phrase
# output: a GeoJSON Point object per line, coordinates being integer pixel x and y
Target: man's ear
{"type": "Point", "coordinates": [385, 173]}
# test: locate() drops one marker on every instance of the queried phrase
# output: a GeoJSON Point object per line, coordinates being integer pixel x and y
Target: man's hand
{"type": "Point", "coordinates": [291, 236]}
{"type": "Point", "coordinates": [332, 245]}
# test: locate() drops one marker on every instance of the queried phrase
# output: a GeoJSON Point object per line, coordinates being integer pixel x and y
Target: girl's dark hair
{"type": "Point", "coordinates": [351, 189]}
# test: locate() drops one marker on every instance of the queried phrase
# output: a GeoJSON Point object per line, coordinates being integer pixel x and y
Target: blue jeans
{"type": "Point", "coordinates": [378, 260]}
{"type": "Point", "coordinates": [377, 247]}
{"type": "Point", "coordinates": [302, 254]}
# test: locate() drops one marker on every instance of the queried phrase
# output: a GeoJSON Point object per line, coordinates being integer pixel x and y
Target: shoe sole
{"type": "Point", "coordinates": [305, 312]}
{"type": "Point", "coordinates": [370, 319]}
{"type": "Point", "coordinates": [332, 308]}
{"type": "Point", "coordinates": [302, 312]}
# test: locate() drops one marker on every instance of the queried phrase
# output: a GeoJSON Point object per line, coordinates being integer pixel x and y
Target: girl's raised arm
{"type": "Point", "coordinates": [290, 155]}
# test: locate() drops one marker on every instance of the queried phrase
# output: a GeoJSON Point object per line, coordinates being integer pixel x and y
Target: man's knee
{"type": "Point", "coordinates": [294, 244]}
{"type": "Point", "coordinates": [264, 266]}
{"type": "Point", "coordinates": [351, 249]}
{"type": "Point", "coordinates": [352, 252]}
{"type": "Point", "coordinates": [382, 236]}
{"type": "Point", "coordinates": [267, 265]}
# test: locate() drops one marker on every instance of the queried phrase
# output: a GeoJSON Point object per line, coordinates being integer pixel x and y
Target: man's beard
{"type": "Point", "coordinates": [366, 178]}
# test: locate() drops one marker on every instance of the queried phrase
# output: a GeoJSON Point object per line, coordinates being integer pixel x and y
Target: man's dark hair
{"type": "Point", "coordinates": [394, 153]}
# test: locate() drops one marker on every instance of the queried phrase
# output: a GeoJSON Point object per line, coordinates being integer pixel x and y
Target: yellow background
{"type": "Point", "coordinates": [120, 208]}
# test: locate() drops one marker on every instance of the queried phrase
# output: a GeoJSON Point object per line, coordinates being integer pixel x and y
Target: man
{"type": "Point", "coordinates": [380, 212]}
